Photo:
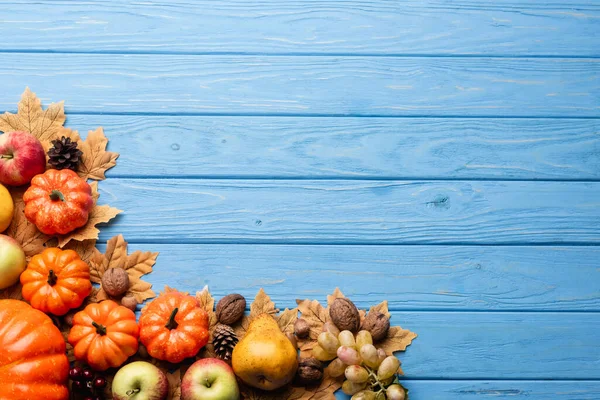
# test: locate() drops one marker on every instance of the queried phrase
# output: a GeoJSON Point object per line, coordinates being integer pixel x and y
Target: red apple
{"type": "Point", "coordinates": [21, 158]}
{"type": "Point", "coordinates": [209, 379]}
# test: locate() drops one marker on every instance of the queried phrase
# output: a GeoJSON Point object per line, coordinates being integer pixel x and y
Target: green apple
{"type": "Point", "coordinates": [140, 380]}
{"type": "Point", "coordinates": [209, 379]}
{"type": "Point", "coordinates": [12, 261]}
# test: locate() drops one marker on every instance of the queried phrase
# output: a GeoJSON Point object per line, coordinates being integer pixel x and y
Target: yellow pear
{"type": "Point", "coordinates": [265, 358]}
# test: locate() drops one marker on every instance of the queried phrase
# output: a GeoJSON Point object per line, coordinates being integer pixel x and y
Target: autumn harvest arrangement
{"type": "Point", "coordinates": [69, 328]}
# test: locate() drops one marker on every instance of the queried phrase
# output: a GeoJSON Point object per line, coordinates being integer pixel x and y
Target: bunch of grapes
{"type": "Point", "coordinates": [86, 383]}
{"type": "Point", "coordinates": [370, 373]}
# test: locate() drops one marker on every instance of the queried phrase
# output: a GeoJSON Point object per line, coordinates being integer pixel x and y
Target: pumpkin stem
{"type": "Point", "coordinates": [100, 329]}
{"type": "Point", "coordinates": [172, 324]}
{"type": "Point", "coordinates": [52, 278]}
{"type": "Point", "coordinates": [56, 195]}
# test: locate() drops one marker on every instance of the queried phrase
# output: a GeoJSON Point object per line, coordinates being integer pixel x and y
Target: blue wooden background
{"type": "Point", "coordinates": [444, 155]}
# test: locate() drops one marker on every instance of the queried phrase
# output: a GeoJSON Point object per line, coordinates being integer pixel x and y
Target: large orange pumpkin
{"type": "Point", "coordinates": [58, 202]}
{"type": "Point", "coordinates": [56, 281]}
{"type": "Point", "coordinates": [33, 360]}
{"type": "Point", "coordinates": [104, 335]}
{"type": "Point", "coordinates": [174, 327]}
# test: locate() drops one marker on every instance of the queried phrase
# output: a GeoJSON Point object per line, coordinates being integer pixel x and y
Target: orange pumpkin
{"type": "Point", "coordinates": [174, 327]}
{"type": "Point", "coordinates": [56, 281]}
{"type": "Point", "coordinates": [58, 201]}
{"type": "Point", "coordinates": [104, 335]}
{"type": "Point", "coordinates": [33, 360]}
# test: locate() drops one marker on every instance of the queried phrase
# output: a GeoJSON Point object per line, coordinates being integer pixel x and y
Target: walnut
{"type": "Point", "coordinates": [231, 308]}
{"type": "Point", "coordinates": [129, 302]}
{"type": "Point", "coordinates": [344, 315]}
{"type": "Point", "coordinates": [301, 328]}
{"type": "Point", "coordinates": [310, 372]}
{"type": "Point", "coordinates": [377, 324]}
{"type": "Point", "coordinates": [115, 281]}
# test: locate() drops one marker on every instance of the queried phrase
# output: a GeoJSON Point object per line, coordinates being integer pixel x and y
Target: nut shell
{"type": "Point", "coordinates": [310, 372]}
{"type": "Point", "coordinates": [344, 315]}
{"type": "Point", "coordinates": [377, 324]}
{"type": "Point", "coordinates": [129, 302]}
{"type": "Point", "coordinates": [230, 309]}
{"type": "Point", "coordinates": [301, 328]}
{"type": "Point", "coordinates": [115, 281]}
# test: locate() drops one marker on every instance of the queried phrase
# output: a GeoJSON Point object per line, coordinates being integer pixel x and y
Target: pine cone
{"type": "Point", "coordinates": [224, 341]}
{"type": "Point", "coordinates": [64, 154]}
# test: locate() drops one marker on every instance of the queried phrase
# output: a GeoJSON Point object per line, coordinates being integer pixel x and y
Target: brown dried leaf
{"type": "Point", "coordinates": [262, 304]}
{"type": "Point", "coordinates": [137, 264]}
{"type": "Point", "coordinates": [174, 379]}
{"type": "Point", "coordinates": [86, 249]}
{"type": "Point", "coordinates": [207, 302]}
{"type": "Point", "coordinates": [169, 289]}
{"type": "Point", "coordinates": [398, 339]}
{"type": "Point", "coordinates": [31, 240]}
{"type": "Point", "coordinates": [95, 160]}
{"type": "Point", "coordinates": [98, 215]}
{"type": "Point", "coordinates": [12, 292]}
{"type": "Point", "coordinates": [382, 308]}
{"type": "Point", "coordinates": [43, 124]}
{"type": "Point", "coordinates": [287, 319]}
{"type": "Point", "coordinates": [337, 294]}
{"type": "Point", "coordinates": [108, 387]}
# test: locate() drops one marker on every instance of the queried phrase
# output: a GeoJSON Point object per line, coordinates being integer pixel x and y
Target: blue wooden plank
{"type": "Point", "coordinates": [476, 390]}
{"type": "Point", "coordinates": [344, 86]}
{"type": "Point", "coordinates": [391, 148]}
{"type": "Point", "coordinates": [353, 212]}
{"type": "Point", "coordinates": [280, 26]}
{"type": "Point", "coordinates": [460, 278]}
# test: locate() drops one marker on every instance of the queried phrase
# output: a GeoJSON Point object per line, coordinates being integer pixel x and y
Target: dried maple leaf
{"type": "Point", "coordinates": [43, 124]}
{"type": "Point", "coordinates": [174, 379]}
{"type": "Point", "coordinates": [136, 264]}
{"type": "Point", "coordinates": [86, 250]}
{"type": "Point", "coordinates": [337, 294]}
{"type": "Point", "coordinates": [287, 319]}
{"type": "Point", "coordinates": [31, 240]}
{"type": "Point", "coordinates": [98, 215]}
{"type": "Point", "coordinates": [12, 292]}
{"type": "Point", "coordinates": [207, 302]}
{"type": "Point", "coordinates": [95, 160]}
{"type": "Point", "coordinates": [325, 391]}
{"type": "Point", "coordinates": [262, 304]}
{"type": "Point", "coordinates": [397, 339]}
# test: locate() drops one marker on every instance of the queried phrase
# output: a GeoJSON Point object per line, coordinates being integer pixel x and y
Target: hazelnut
{"type": "Point", "coordinates": [344, 315]}
{"type": "Point", "coordinates": [292, 339]}
{"type": "Point", "coordinates": [377, 324]}
{"type": "Point", "coordinates": [310, 372]}
{"type": "Point", "coordinates": [129, 302]}
{"type": "Point", "coordinates": [230, 309]}
{"type": "Point", "coordinates": [301, 328]}
{"type": "Point", "coordinates": [115, 281]}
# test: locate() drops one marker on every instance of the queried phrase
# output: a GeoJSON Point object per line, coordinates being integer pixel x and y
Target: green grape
{"type": "Point", "coordinates": [388, 368]}
{"type": "Point", "coordinates": [320, 354]}
{"type": "Point", "coordinates": [368, 352]}
{"type": "Point", "coordinates": [395, 392]}
{"type": "Point", "coordinates": [347, 339]}
{"type": "Point", "coordinates": [331, 328]}
{"type": "Point", "coordinates": [356, 373]}
{"type": "Point", "coordinates": [336, 368]}
{"type": "Point", "coordinates": [348, 355]}
{"type": "Point", "coordinates": [365, 395]}
{"type": "Point", "coordinates": [352, 387]}
{"type": "Point", "coordinates": [381, 355]}
{"type": "Point", "coordinates": [362, 338]}
{"type": "Point", "coordinates": [328, 342]}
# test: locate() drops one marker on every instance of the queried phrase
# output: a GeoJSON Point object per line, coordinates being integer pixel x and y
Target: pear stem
{"type": "Point", "coordinates": [172, 324]}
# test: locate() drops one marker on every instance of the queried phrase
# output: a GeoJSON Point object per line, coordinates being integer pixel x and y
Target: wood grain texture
{"type": "Point", "coordinates": [343, 86]}
{"type": "Point", "coordinates": [476, 390]}
{"type": "Point", "coordinates": [290, 147]}
{"type": "Point", "coordinates": [467, 278]}
{"type": "Point", "coordinates": [357, 212]}
{"type": "Point", "coordinates": [316, 26]}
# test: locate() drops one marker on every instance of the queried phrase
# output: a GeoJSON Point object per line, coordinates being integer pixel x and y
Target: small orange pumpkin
{"type": "Point", "coordinates": [174, 327]}
{"type": "Point", "coordinates": [104, 335]}
{"type": "Point", "coordinates": [33, 360]}
{"type": "Point", "coordinates": [56, 281]}
{"type": "Point", "coordinates": [58, 201]}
